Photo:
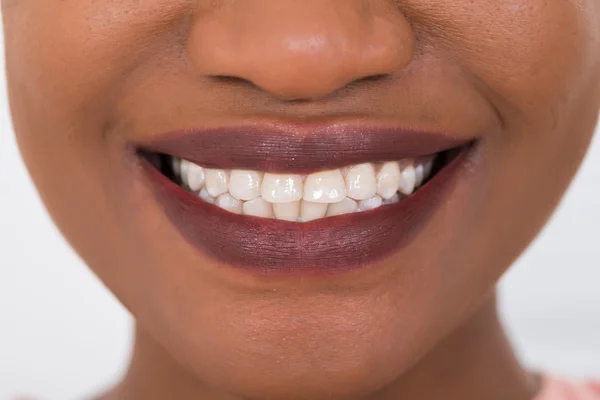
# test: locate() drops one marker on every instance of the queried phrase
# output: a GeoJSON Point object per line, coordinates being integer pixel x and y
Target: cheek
{"type": "Point", "coordinates": [66, 60]}
{"type": "Point", "coordinates": [526, 55]}
{"type": "Point", "coordinates": [538, 64]}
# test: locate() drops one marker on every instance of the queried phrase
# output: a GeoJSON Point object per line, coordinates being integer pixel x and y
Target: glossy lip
{"type": "Point", "coordinates": [325, 246]}
{"type": "Point", "coordinates": [299, 148]}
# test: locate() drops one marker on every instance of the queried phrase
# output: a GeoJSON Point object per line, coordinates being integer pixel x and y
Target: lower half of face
{"type": "Point", "coordinates": [340, 193]}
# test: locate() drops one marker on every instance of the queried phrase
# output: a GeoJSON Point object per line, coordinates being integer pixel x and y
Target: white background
{"type": "Point", "coordinates": [63, 335]}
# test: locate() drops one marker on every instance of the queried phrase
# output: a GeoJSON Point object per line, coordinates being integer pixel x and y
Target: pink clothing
{"type": "Point", "coordinates": [559, 389]}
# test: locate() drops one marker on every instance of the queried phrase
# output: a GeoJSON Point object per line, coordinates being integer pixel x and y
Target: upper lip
{"type": "Point", "coordinates": [300, 147]}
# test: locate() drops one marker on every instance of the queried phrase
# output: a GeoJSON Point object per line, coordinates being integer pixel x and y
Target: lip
{"type": "Point", "coordinates": [299, 148]}
{"type": "Point", "coordinates": [324, 246]}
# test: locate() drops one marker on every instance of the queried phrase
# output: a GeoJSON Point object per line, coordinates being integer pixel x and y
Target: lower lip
{"type": "Point", "coordinates": [325, 246]}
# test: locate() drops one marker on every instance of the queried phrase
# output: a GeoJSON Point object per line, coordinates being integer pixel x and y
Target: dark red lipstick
{"type": "Point", "coordinates": [299, 148]}
{"type": "Point", "coordinates": [323, 246]}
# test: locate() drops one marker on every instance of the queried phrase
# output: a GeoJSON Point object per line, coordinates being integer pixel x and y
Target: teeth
{"type": "Point", "coordinates": [217, 182]}
{"type": "Point", "coordinates": [345, 206]}
{"type": "Point", "coordinates": [204, 195]}
{"type": "Point", "coordinates": [229, 203]}
{"type": "Point", "coordinates": [281, 188]}
{"type": "Point", "coordinates": [420, 174]}
{"type": "Point", "coordinates": [361, 183]}
{"type": "Point", "coordinates": [428, 167]}
{"type": "Point", "coordinates": [423, 170]}
{"type": "Point", "coordinates": [292, 197]}
{"type": "Point", "coordinates": [325, 187]}
{"type": "Point", "coordinates": [408, 178]}
{"type": "Point", "coordinates": [393, 200]}
{"type": "Point", "coordinates": [310, 211]}
{"type": "Point", "coordinates": [193, 175]}
{"type": "Point", "coordinates": [245, 185]}
{"type": "Point", "coordinates": [370, 204]}
{"type": "Point", "coordinates": [388, 180]}
{"type": "Point", "coordinates": [287, 211]}
{"type": "Point", "coordinates": [258, 208]}
{"type": "Point", "coordinates": [176, 165]}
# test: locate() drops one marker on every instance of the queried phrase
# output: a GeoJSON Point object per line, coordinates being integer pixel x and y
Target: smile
{"type": "Point", "coordinates": [301, 199]}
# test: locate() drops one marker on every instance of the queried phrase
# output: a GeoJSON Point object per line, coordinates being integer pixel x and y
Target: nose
{"type": "Point", "coordinates": [300, 49]}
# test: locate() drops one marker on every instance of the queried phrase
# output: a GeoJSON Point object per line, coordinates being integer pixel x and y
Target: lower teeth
{"type": "Point", "coordinates": [298, 198]}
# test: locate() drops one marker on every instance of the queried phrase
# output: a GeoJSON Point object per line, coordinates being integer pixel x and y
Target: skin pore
{"type": "Point", "coordinates": [88, 79]}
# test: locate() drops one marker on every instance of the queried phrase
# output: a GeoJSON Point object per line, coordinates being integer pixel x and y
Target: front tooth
{"type": "Point", "coordinates": [408, 178]}
{"type": "Point", "coordinates": [388, 180]}
{"type": "Point", "coordinates": [345, 206]}
{"type": "Point", "coordinates": [217, 182]}
{"type": "Point", "coordinates": [204, 195]}
{"type": "Point", "coordinates": [370, 204]}
{"type": "Point", "coordinates": [194, 176]}
{"type": "Point", "coordinates": [325, 187]}
{"type": "Point", "coordinates": [258, 208]}
{"type": "Point", "coordinates": [310, 211]}
{"type": "Point", "coordinates": [245, 185]}
{"type": "Point", "coordinates": [281, 188]}
{"type": "Point", "coordinates": [229, 203]}
{"type": "Point", "coordinates": [420, 174]}
{"type": "Point", "coordinates": [361, 183]}
{"type": "Point", "coordinates": [287, 211]}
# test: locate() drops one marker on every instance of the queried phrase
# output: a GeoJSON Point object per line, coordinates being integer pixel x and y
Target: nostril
{"type": "Point", "coordinates": [230, 79]}
{"type": "Point", "coordinates": [371, 78]}
{"type": "Point", "coordinates": [239, 82]}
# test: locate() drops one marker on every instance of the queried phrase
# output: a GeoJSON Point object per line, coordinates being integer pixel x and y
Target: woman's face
{"type": "Point", "coordinates": [346, 303]}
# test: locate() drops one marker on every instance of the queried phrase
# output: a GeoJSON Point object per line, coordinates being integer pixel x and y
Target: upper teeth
{"type": "Point", "coordinates": [361, 182]}
{"type": "Point", "coordinates": [245, 185]}
{"type": "Point", "coordinates": [293, 197]}
{"type": "Point", "coordinates": [325, 187]}
{"type": "Point", "coordinates": [281, 188]}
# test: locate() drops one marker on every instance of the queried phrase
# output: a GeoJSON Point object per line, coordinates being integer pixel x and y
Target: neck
{"type": "Point", "coordinates": [474, 362]}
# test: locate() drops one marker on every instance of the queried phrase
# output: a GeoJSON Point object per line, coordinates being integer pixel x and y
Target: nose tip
{"type": "Point", "coordinates": [301, 49]}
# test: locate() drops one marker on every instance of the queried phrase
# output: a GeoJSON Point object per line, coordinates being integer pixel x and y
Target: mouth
{"type": "Point", "coordinates": [301, 199]}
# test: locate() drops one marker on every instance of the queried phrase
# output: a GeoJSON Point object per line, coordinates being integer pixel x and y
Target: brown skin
{"type": "Point", "coordinates": [86, 77]}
